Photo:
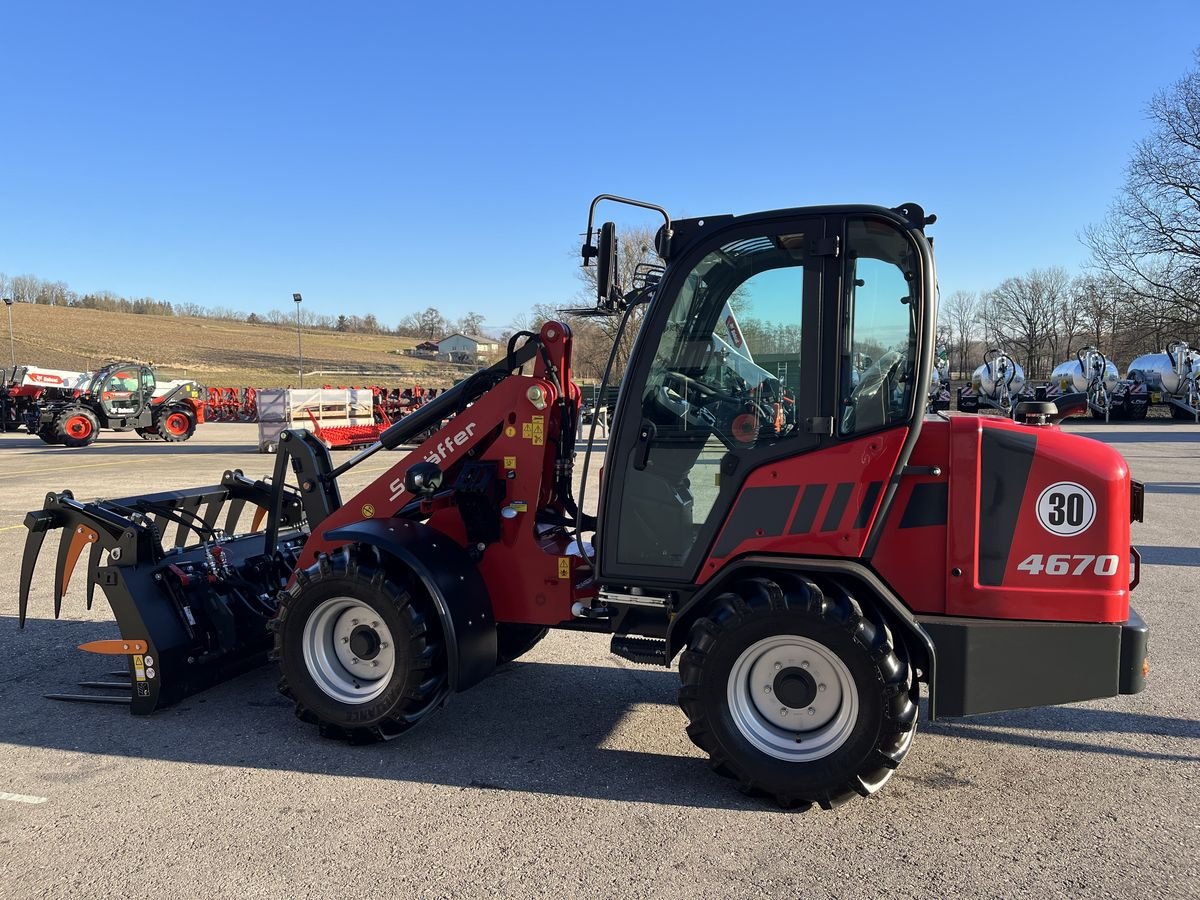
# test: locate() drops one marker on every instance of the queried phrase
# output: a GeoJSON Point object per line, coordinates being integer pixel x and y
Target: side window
{"type": "Point", "coordinates": [879, 327]}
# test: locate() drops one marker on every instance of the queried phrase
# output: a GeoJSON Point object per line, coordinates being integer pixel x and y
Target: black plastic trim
{"type": "Point", "coordinates": [453, 583]}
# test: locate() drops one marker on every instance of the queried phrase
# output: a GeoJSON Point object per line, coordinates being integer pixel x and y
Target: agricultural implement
{"type": "Point", "coordinates": [809, 571]}
{"type": "Point", "coordinates": [997, 384]}
{"type": "Point", "coordinates": [122, 396]}
{"type": "Point", "coordinates": [1171, 378]}
{"type": "Point", "coordinates": [25, 387]}
{"type": "Point", "coordinates": [1093, 376]}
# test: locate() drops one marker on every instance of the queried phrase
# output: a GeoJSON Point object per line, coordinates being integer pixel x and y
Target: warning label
{"type": "Point", "coordinates": [564, 567]}
{"type": "Point", "coordinates": [535, 430]}
{"type": "Point", "coordinates": [510, 462]}
{"type": "Point", "coordinates": [139, 667]}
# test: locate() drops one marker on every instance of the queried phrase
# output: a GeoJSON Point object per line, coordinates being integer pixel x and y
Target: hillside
{"type": "Point", "coordinates": [215, 353]}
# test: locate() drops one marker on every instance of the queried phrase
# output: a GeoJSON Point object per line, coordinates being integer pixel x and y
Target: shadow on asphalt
{"type": "Point", "coordinates": [1172, 487]}
{"type": "Point", "coordinates": [561, 729]}
{"type": "Point", "coordinates": [1152, 436]}
{"type": "Point", "coordinates": [1169, 556]}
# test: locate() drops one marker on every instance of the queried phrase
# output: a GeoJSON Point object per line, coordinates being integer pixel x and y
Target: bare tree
{"type": "Point", "coordinates": [471, 324]}
{"type": "Point", "coordinates": [428, 324]}
{"type": "Point", "coordinates": [960, 313]}
{"type": "Point", "coordinates": [1020, 316]}
{"type": "Point", "coordinates": [1150, 241]}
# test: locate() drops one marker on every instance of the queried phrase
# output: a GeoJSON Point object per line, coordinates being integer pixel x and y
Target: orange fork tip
{"type": "Point", "coordinates": [114, 648]}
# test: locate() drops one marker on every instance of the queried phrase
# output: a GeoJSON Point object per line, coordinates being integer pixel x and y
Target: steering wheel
{"type": "Point", "coordinates": [712, 409]}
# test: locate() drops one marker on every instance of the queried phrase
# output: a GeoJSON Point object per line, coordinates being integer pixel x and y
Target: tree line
{"type": "Point", "coordinates": [1141, 287]}
{"type": "Point", "coordinates": [428, 324]}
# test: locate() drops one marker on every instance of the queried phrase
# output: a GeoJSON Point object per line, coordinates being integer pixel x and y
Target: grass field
{"type": "Point", "coordinates": [215, 353]}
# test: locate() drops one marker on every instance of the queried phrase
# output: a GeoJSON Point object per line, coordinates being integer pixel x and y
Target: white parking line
{"type": "Point", "coordinates": [22, 798]}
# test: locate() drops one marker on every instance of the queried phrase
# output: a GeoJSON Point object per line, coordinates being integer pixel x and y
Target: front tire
{"type": "Point", "coordinates": [355, 651]}
{"type": "Point", "coordinates": [176, 424]}
{"type": "Point", "coordinates": [796, 694]}
{"type": "Point", "coordinates": [76, 427]}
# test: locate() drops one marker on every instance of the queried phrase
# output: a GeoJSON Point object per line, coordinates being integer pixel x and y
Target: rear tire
{"type": "Point", "coordinates": [76, 427]}
{"type": "Point", "coordinates": [148, 434]}
{"type": "Point", "coordinates": [797, 695]}
{"type": "Point", "coordinates": [176, 423]}
{"type": "Point", "coordinates": [355, 651]}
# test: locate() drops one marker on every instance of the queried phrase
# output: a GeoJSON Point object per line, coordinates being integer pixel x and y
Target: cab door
{"type": "Point", "coordinates": [769, 345]}
{"type": "Point", "coordinates": [126, 392]}
{"type": "Point", "coordinates": [726, 376]}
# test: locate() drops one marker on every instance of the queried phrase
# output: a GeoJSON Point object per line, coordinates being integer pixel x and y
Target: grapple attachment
{"type": "Point", "coordinates": [192, 610]}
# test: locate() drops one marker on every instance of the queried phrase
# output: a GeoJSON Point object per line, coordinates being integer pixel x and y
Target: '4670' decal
{"type": "Point", "coordinates": [1069, 564]}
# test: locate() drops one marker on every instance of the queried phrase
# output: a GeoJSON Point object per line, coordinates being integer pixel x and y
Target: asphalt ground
{"type": "Point", "coordinates": [568, 774]}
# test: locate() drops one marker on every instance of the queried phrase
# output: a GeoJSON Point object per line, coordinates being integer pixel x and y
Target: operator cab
{"type": "Point", "coordinates": [124, 390]}
{"type": "Point", "coordinates": [769, 336]}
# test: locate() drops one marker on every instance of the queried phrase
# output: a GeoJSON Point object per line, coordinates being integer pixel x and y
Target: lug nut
{"type": "Point", "coordinates": [383, 645]}
{"type": "Point", "coordinates": [783, 710]}
{"type": "Point", "coordinates": [766, 689]}
{"type": "Point", "coordinates": [811, 711]}
{"type": "Point", "coordinates": [354, 662]}
{"type": "Point", "coordinates": [820, 687]}
{"type": "Point", "coordinates": [804, 665]}
{"type": "Point", "coordinates": [778, 666]}
{"type": "Point", "coordinates": [345, 640]}
{"type": "Point", "coordinates": [374, 624]}
{"type": "Point", "coordinates": [354, 621]}
{"type": "Point", "coordinates": [374, 663]}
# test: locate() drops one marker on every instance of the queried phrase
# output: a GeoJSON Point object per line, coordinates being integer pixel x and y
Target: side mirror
{"type": "Point", "coordinates": [606, 265]}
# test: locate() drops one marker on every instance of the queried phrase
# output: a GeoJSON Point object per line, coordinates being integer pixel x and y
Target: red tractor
{"type": "Point", "coordinates": [122, 396]}
{"type": "Point", "coordinates": [810, 567]}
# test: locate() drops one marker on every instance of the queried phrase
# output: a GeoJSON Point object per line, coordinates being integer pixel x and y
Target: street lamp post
{"type": "Point", "coordinates": [299, 346]}
{"type": "Point", "coordinates": [11, 342]}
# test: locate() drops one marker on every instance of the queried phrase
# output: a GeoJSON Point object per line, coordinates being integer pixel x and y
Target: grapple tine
{"type": "Point", "coordinates": [69, 548]}
{"type": "Point", "coordinates": [260, 513]}
{"type": "Point", "coordinates": [235, 513]}
{"type": "Point", "coordinates": [93, 570]}
{"type": "Point", "coordinates": [39, 522]}
{"type": "Point", "coordinates": [187, 505]}
{"type": "Point", "coordinates": [213, 511]}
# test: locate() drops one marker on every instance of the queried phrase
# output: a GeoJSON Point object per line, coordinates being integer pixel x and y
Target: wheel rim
{"type": "Point", "coordinates": [792, 698]}
{"type": "Point", "coordinates": [78, 427]}
{"type": "Point", "coordinates": [348, 650]}
{"type": "Point", "coordinates": [177, 423]}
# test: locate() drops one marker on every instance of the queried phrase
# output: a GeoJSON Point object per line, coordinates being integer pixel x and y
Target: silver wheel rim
{"type": "Point", "coordinates": [794, 733]}
{"type": "Point", "coordinates": [332, 633]}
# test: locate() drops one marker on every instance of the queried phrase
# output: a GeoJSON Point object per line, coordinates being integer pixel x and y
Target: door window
{"type": "Point", "coordinates": [723, 380]}
{"type": "Point", "coordinates": [879, 328]}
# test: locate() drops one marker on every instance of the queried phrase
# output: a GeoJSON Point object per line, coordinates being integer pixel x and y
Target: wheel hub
{"type": "Point", "coordinates": [364, 642]}
{"type": "Point", "coordinates": [349, 650]}
{"type": "Point", "coordinates": [794, 687]}
{"type": "Point", "coordinates": [793, 698]}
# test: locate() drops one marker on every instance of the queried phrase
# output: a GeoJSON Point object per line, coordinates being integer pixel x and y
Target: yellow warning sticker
{"type": "Point", "coordinates": [139, 667]}
{"type": "Point", "coordinates": [534, 430]}
{"type": "Point", "coordinates": [510, 462]}
{"type": "Point", "coordinates": [519, 506]}
{"type": "Point", "coordinates": [510, 431]}
{"type": "Point", "coordinates": [564, 567]}
{"type": "Point", "coordinates": [368, 511]}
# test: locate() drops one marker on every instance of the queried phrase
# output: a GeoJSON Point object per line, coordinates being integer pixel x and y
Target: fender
{"type": "Point", "coordinates": [453, 583]}
{"type": "Point", "coordinates": [917, 640]}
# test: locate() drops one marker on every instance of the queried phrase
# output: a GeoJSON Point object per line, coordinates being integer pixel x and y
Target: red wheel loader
{"type": "Point", "coordinates": [809, 563]}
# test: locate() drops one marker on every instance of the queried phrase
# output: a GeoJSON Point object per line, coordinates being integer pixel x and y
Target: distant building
{"type": "Point", "coordinates": [467, 348]}
{"type": "Point", "coordinates": [427, 349]}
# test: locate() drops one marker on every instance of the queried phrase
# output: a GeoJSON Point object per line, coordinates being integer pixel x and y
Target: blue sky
{"type": "Point", "coordinates": [383, 158]}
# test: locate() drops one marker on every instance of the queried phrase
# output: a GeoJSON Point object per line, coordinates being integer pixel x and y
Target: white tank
{"type": "Point", "coordinates": [1072, 376]}
{"type": "Point", "coordinates": [1001, 371]}
{"type": "Point", "coordinates": [1161, 373]}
